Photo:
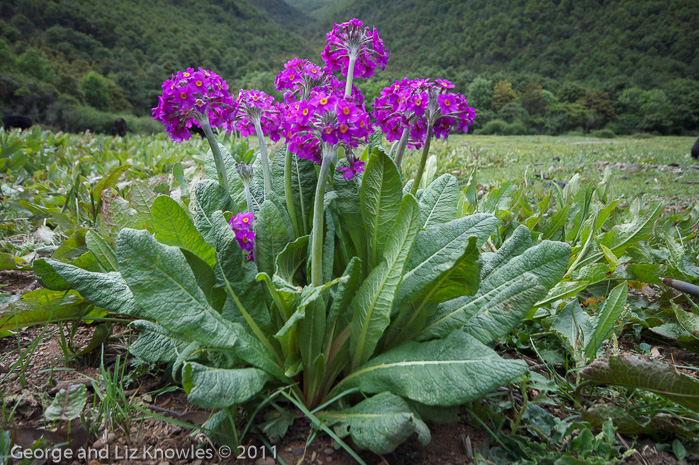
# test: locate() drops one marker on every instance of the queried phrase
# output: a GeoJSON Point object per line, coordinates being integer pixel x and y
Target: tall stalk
{"type": "Point", "coordinates": [265, 160]}
{"type": "Point", "coordinates": [423, 160]}
{"type": "Point", "coordinates": [218, 157]}
{"type": "Point", "coordinates": [401, 146]}
{"type": "Point", "coordinates": [350, 74]}
{"type": "Point", "coordinates": [318, 216]}
{"type": "Point", "coordinates": [289, 193]}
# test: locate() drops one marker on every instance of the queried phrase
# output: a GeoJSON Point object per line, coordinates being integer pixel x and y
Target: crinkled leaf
{"type": "Point", "coordinates": [210, 196]}
{"type": "Point", "coordinates": [291, 259]}
{"type": "Point", "coordinates": [173, 226]}
{"type": "Point", "coordinates": [642, 373]}
{"type": "Point", "coordinates": [206, 279]}
{"type": "Point", "coordinates": [374, 300]}
{"type": "Point", "coordinates": [156, 344]}
{"type": "Point", "coordinates": [41, 306]}
{"type": "Point", "coordinates": [573, 327]}
{"type": "Point", "coordinates": [380, 201]}
{"type": "Point", "coordinates": [447, 371]}
{"type": "Point", "coordinates": [68, 403]}
{"type": "Point", "coordinates": [439, 247]}
{"type": "Point", "coordinates": [439, 201]}
{"type": "Point", "coordinates": [271, 237]}
{"type": "Point", "coordinates": [512, 280]}
{"type": "Point", "coordinates": [163, 285]}
{"type": "Point", "coordinates": [218, 387]}
{"type": "Point", "coordinates": [102, 251]}
{"type": "Point", "coordinates": [104, 290]}
{"type": "Point", "coordinates": [380, 423]}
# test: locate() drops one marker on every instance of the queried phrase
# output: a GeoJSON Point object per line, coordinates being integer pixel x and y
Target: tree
{"type": "Point", "coordinates": [533, 99]}
{"type": "Point", "coordinates": [503, 93]}
{"type": "Point", "coordinates": [34, 63]}
{"type": "Point", "coordinates": [480, 94]}
{"type": "Point", "coordinates": [94, 87]}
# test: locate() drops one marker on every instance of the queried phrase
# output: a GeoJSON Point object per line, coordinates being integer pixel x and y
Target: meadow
{"type": "Point", "coordinates": [611, 350]}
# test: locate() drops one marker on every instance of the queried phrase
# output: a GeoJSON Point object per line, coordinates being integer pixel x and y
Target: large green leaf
{"type": "Point", "coordinates": [102, 251]}
{"type": "Point", "coordinates": [206, 279]}
{"type": "Point", "coordinates": [512, 280]}
{"type": "Point", "coordinates": [379, 424]}
{"type": "Point", "coordinates": [350, 215]}
{"type": "Point", "coordinates": [459, 279]}
{"type": "Point", "coordinates": [210, 196]}
{"type": "Point", "coordinates": [380, 201]}
{"type": "Point", "coordinates": [271, 237]}
{"type": "Point", "coordinates": [443, 372]}
{"type": "Point", "coordinates": [173, 226]}
{"type": "Point", "coordinates": [164, 286]}
{"type": "Point", "coordinates": [611, 310]}
{"type": "Point", "coordinates": [156, 344]}
{"type": "Point", "coordinates": [439, 201]}
{"type": "Point", "coordinates": [246, 302]}
{"type": "Point", "coordinates": [39, 307]}
{"type": "Point", "coordinates": [573, 328]}
{"type": "Point", "coordinates": [235, 184]}
{"type": "Point", "coordinates": [68, 403]}
{"type": "Point", "coordinates": [374, 300]}
{"type": "Point", "coordinates": [104, 290]}
{"type": "Point", "coordinates": [439, 247]}
{"type": "Point", "coordinates": [642, 373]}
{"type": "Point", "coordinates": [218, 387]}
{"type": "Point", "coordinates": [291, 259]}
{"type": "Point", "coordinates": [303, 185]}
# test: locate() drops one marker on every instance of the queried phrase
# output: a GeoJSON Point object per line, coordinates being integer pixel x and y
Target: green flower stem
{"type": "Point", "coordinates": [401, 146]}
{"type": "Point", "coordinates": [218, 158]}
{"type": "Point", "coordinates": [265, 160]}
{"type": "Point", "coordinates": [423, 160]}
{"type": "Point", "coordinates": [289, 193]}
{"type": "Point", "coordinates": [317, 251]}
{"type": "Point", "coordinates": [350, 74]}
{"type": "Point", "coordinates": [248, 196]}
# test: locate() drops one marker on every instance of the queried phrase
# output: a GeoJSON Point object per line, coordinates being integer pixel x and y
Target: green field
{"type": "Point", "coordinates": [611, 348]}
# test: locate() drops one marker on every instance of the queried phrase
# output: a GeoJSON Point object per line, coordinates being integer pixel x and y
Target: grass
{"type": "Point", "coordinates": [640, 166]}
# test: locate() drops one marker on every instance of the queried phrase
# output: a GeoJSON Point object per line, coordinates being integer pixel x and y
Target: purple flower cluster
{"type": "Point", "coordinates": [242, 225]}
{"type": "Point", "coordinates": [253, 106]}
{"type": "Point", "coordinates": [415, 104]}
{"type": "Point", "coordinates": [349, 39]}
{"type": "Point", "coordinates": [326, 118]}
{"type": "Point", "coordinates": [191, 95]}
{"type": "Point", "coordinates": [299, 77]}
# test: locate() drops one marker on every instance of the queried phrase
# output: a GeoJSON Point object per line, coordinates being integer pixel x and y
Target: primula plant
{"type": "Point", "coordinates": [335, 283]}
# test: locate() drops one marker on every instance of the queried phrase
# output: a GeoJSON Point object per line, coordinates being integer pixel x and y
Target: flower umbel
{"type": "Point", "coordinates": [243, 227]}
{"type": "Point", "coordinates": [348, 40]}
{"type": "Point", "coordinates": [190, 96]}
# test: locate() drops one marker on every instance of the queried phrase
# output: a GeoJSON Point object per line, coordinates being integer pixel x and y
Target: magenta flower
{"type": "Point", "coordinates": [325, 118]}
{"type": "Point", "coordinates": [350, 40]}
{"type": "Point", "coordinates": [191, 95]}
{"type": "Point", "coordinates": [254, 107]}
{"type": "Point", "coordinates": [417, 104]}
{"type": "Point", "coordinates": [243, 227]}
{"type": "Point", "coordinates": [355, 166]}
{"type": "Point", "coordinates": [299, 78]}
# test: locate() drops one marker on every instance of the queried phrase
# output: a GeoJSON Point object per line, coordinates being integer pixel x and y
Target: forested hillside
{"type": "Point", "coordinates": [528, 66]}
{"type": "Point", "coordinates": [114, 55]}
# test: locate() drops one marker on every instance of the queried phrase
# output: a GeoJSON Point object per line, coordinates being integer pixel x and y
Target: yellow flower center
{"type": "Point", "coordinates": [183, 95]}
{"type": "Point", "coordinates": [245, 220]}
{"type": "Point", "coordinates": [343, 128]}
{"type": "Point", "coordinates": [346, 110]}
{"type": "Point", "coordinates": [186, 75]}
{"type": "Point", "coordinates": [328, 130]}
{"type": "Point", "coordinates": [200, 103]}
{"type": "Point", "coordinates": [447, 102]}
{"type": "Point", "coordinates": [314, 71]}
{"type": "Point", "coordinates": [418, 102]}
{"type": "Point", "coordinates": [323, 101]}
{"type": "Point", "coordinates": [198, 83]}
{"type": "Point", "coordinates": [291, 77]}
{"type": "Point", "coordinates": [361, 124]}
{"type": "Point", "coordinates": [245, 240]}
{"type": "Point", "coordinates": [255, 98]}
{"type": "Point", "coordinates": [305, 111]}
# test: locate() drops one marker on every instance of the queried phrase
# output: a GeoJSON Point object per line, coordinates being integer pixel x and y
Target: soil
{"type": "Point", "coordinates": [146, 441]}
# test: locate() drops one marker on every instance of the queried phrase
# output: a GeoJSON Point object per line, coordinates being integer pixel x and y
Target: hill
{"type": "Point", "coordinates": [537, 66]}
